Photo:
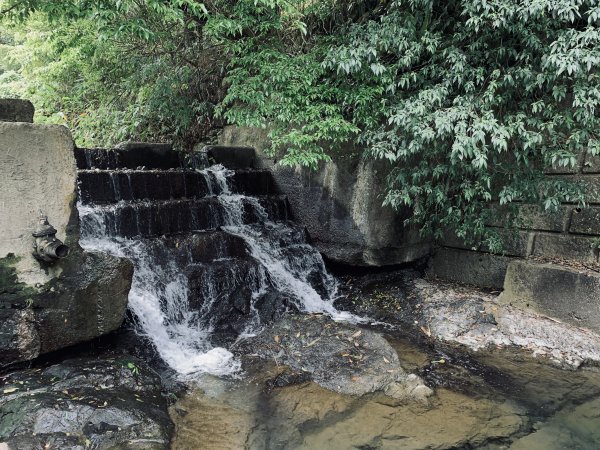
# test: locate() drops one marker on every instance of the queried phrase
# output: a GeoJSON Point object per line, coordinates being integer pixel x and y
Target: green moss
{"type": "Point", "coordinates": [11, 290]}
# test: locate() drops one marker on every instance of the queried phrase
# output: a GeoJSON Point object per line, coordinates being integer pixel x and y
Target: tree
{"type": "Point", "coordinates": [470, 102]}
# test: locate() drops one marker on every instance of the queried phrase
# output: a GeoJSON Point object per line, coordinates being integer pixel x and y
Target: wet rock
{"type": "Point", "coordinates": [19, 337]}
{"type": "Point", "coordinates": [476, 319]}
{"type": "Point", "coordinates": [85, 403]}
{"type": "Point", "coordinates": [452, 313]}
{"type": "Point", "coordinates": [338, 356]}
{"type": "Point", "coordinates": [88, 300]}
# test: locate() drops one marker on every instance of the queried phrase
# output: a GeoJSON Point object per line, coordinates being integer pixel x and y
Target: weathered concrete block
{"type": "Point", "coordinates": [579, 248]}
{"type": "Point", "coordinates": [515, 243]}
{"type": "Point", "coordinates": [16, 110]}
{"type": "Point", "coordinates": [559, 292]}
{"type": "Point", "coordinates": [591, 183]}
{"type": "Point", "coordinates": [591, 164]}
{"type": "Point", "coordinates": [340, 205]}
{"type": "Point", "coordinates": [45, 307]}
{"type": "Point", "coordinates": [535, 218]}
{"type": "Point", "coordinates": [586, 221]}
{"type": "Point", "coordinates": [464, 266]}
{"type": "Point", "coordinates": [37, 173]}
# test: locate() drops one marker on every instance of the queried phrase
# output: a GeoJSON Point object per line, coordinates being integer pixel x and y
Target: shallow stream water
{"type": "Point", "coordinates": [495, 400]}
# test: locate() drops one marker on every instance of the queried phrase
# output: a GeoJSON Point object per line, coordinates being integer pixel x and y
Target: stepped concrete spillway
{"type": "Point", "coordinates": [216, 254]}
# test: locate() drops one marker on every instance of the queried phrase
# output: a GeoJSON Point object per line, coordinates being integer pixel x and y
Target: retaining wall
{"type": "Point", "coordinates": [569, 234]}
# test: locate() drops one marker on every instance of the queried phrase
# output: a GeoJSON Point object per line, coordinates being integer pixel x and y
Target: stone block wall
{"type": "Point", "coordinates": [571, 233]}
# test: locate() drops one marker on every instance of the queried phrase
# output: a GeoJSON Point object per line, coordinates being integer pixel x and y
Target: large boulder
{"type": "Point", "coordinates": [47, 306]}
{"type": "Point", "coordinates": [340, 204]}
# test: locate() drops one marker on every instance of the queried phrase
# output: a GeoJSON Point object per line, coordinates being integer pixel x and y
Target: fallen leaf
{"type": "Point", "coordinates": [310, 344]}
{"type": "Point", "coordinates": [10, 390]}
{"type": "Point", "coordinates": [277, 339]}
{"type": "Point", "coordinates": [357, 334]}
{"type": "Point", "coordinates": [386, 360]}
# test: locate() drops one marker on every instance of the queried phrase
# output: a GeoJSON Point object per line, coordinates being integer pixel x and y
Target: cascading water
{"type": "Point", "coordinates": [178, 295]}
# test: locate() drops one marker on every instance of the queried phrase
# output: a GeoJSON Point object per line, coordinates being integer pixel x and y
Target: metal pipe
{"type": "Point", "coordinates": [47, 247]}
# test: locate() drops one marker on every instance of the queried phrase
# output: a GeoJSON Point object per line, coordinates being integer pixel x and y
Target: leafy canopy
{"type": "Point", "coordinates": [470, 102]}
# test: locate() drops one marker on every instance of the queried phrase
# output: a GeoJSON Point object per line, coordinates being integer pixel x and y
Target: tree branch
{"type": "Point", "coordinates": [10, 8]}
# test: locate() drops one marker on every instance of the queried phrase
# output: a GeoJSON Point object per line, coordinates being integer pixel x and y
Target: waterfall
{"type": "Point", "coordinates": [176, 294]}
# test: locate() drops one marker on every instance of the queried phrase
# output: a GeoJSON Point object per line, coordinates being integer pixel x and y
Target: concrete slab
{"type": "Point", "coordinates": [563, 293]}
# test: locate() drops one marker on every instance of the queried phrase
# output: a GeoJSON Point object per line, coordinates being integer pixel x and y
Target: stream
{"type": "Point", "coordinates": [276, 353]}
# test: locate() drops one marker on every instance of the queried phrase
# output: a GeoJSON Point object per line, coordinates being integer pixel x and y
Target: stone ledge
{"type": "Point", "coordinates": [560, 292]}
{"type": "Point", "coordinates": [464, 266]}
{"type": "Point", "coordinates": [16, 110]}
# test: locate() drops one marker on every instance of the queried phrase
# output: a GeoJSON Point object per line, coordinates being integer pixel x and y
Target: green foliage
{"type": "Point", "coordinates": [113, 71]}
{"type": "Point", "coordinates": [470, 102]}
{"type": "Point", "coordinates": [135, 370]}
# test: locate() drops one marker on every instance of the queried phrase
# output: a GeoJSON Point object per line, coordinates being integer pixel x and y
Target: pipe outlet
{"type": "Point", "coordinates": [47, 247]}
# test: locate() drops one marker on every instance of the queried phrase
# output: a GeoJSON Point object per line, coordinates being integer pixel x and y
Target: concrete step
{"type": "Point", "coordinates": [150, 156]}
{"type": "Point", "coordinates": [110, 186]}
{"type": "Point", "coordinates": [157, 218]}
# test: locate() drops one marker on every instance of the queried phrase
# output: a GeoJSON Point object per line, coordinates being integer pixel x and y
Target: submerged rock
{"type": "Point", "coordinates": [85, 403]}
{"type": "Point", "coordinates": [338, 356]}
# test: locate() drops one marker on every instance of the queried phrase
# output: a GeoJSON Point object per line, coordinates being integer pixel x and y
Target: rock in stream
{"type": "Point", "coordinates": [85, 403]}
{"type": "Point", "coordinates": [338, 356]}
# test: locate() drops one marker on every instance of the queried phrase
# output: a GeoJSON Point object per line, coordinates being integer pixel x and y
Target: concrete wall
{"type": "Point", "coordinates": [571, 234]}
{"type": "Point", "coordinates": [340, 205]}
{"type": "Point", "coordinates": [573, 296]}
{"type": "Point", "coordinates": [16, 110]}
{"type": "Point", "coordinates": [37, 173]}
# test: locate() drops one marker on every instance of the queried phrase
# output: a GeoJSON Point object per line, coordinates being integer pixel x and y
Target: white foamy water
{"type": "Point", "coordinates": [160, 295]}
{"type": "Point", "coordinates": [159, 300]}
